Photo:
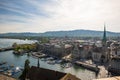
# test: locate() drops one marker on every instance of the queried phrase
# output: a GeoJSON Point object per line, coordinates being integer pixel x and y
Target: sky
{"type": "Point", "coordinates": [59, 15]}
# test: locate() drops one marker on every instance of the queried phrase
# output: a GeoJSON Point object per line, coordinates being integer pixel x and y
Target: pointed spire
{"type": "Point", "coordinates": [104, 36]}
{"type": "Point", "coordinates": [38, 65]}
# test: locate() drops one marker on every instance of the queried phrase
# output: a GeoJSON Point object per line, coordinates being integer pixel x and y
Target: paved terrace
{"type": "Point", "coordinates": [110, 78]}
{"type": "Point", "coordinates": [5, 77]}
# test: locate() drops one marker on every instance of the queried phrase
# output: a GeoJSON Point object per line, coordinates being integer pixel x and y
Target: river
{"type": "Point", "coordinates": [15, 60]}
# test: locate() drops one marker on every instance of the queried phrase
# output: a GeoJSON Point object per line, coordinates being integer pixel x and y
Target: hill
{"type": "Point", "coordinates": [72, 33]}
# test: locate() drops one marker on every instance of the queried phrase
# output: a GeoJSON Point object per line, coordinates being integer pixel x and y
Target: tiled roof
{"type": "Point", "coordinates": [44, 74]}
{"type": "Point", "coordinates": [36, 73]}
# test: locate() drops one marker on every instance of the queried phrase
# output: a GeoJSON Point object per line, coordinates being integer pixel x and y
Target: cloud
{"type": "Point", "coordinates": [15, 10]}
{"type": "Point", "coordinates": [52, 15]}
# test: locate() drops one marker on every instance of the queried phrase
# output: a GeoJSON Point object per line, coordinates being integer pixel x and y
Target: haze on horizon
{"type": "Point", "coordinates": [55, 15]}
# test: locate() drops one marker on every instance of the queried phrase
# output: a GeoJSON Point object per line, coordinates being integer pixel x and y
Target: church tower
{"type": "Point", "coordinates": [104, 56]}
{"type": "Point", "coordinates": [104, 37]}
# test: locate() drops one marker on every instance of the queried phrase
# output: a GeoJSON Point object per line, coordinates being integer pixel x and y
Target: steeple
{"type": "Point", "coordinates": [104, 36]}
{"type": "Point", "coordinates": [38, 65]}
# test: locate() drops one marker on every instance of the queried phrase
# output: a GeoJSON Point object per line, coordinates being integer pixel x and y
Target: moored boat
{"type": "Point", "coordinates": [67, 65]}
{"type": "Point", "coordinates": [58, 61]}
{"type": "Point", "coordinates": [4, 62]}
{"type": "Point", "coordinates": [51, 62]}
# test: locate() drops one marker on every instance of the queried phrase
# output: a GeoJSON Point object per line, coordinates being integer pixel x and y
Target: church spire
{"type": "Point", "coordinates": [104, 36]}
{"type": "Point", "coordinates": [38, 65]}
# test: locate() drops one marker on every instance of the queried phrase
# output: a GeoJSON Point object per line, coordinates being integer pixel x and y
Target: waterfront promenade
{"type": "Point", "coordinates": [101, 71]}
{"type": "Point", "coordinates": [109, 78]}
{"type": "Point", "coordinates": [88, 66]}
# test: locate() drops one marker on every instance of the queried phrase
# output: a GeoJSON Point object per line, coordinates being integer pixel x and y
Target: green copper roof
{"type": "Point", "coordinates": [104, 36]}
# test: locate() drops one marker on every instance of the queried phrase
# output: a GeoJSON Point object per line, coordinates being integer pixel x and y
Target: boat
{"type": "Point", "coordinates": [1, 63]}
{"type": "Point", "coordinates": [51, 62]}
{"type": "Point", "coordinates": [9, 72]}
{"type": "Point", "coordinates": [2, 69]}
{"type": "Point", "coordinates": [67, 65]}
{"type": "Point", "coordinates": [50, 58]}
{"type": "Point", "coordinates": [43, 59]}
{"type": "Point", "coordinates": [13, 71]}
{"type": "Point", "coordinates": [16, 70]}
{"type": "Point", "coordinates": [58, 61]}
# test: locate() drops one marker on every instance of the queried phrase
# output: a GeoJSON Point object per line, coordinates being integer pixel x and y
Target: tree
{"type": "Point", "coordinates": [44, 40]}
{"type": "Point", "coordinates": [14, 45]}
{"type": "Point", "coordinates": [25, 71]}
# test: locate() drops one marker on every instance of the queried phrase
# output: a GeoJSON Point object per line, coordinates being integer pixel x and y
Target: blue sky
{"type": "Point", "coordinates": [55, 15]}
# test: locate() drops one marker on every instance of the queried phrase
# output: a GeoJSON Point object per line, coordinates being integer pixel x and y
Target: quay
{"type": "Point", "coordinates": [6, 49]}
{"type": "Point", "coordinates": [88, 66]}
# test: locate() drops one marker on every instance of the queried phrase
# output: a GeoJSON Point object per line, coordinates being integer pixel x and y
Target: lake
{"type": "Point", "coordinates": [16, 60]}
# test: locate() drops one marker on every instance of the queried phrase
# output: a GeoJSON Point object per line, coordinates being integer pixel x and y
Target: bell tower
{"type": "Point", "coordinates": [104, 37]}
{"type": "Point", "coordinates": [104, 56]}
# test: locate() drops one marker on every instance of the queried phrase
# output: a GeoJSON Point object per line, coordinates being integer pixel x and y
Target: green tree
{"type": "Point", "coordinates": [14, 45]}
{"type": "Point", "coordinates": [25, 71]}
{"type": "Point", "coordinates": [44, 40]}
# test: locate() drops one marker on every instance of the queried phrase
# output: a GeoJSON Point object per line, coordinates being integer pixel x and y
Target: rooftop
{"type": "Point", "coordinates": [36, 73]}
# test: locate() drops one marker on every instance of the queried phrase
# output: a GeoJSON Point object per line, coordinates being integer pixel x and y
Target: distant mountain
{"type": "Point", "coordinates": [72, 33]}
